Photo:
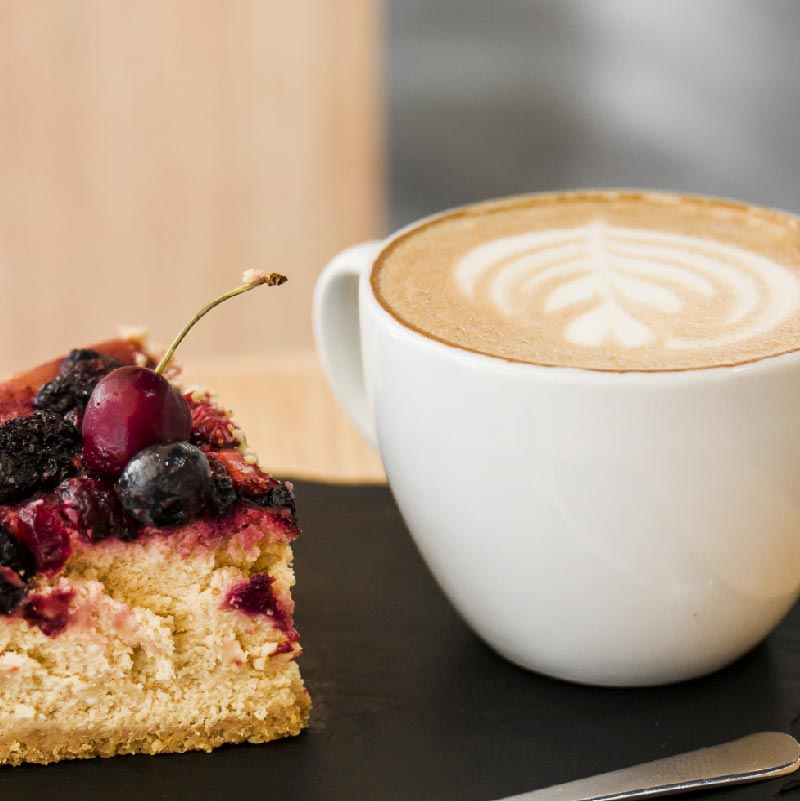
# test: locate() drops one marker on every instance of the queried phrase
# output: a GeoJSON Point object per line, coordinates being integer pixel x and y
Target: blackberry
{"type": "Point", "coordinates": [36, 452]}
{"type": "Point", "coordinates": [68, 393]}
{"type": "Point", "coordinates": [211, 425]}
{"type": "Point", "coordinates": [223, 494]}
{"type": "Point", "coordinates": [279, 496]}
{"type": "Point", "coordinates": [165, 485]}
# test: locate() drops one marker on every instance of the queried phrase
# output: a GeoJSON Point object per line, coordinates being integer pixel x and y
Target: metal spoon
{"type": "Point", "coordinates": [749, 759]}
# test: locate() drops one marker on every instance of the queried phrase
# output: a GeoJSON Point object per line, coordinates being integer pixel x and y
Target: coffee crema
{"type": "Point", "coordinates": [602, 280]}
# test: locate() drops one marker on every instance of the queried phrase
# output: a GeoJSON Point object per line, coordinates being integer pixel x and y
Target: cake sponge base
{"type": "Point", "coordinates": [272, 708]}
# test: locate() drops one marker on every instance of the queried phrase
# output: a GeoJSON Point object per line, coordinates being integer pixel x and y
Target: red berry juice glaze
{"type": "Point", "coordinates": [245, 526]}
{"type": "Point", "coordinates": [58, 523]}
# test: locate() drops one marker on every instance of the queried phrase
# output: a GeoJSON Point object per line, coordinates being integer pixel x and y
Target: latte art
{"type": "Point", "coordinates": [601, 280]}
{"type": "Point", "coordinates": [625, 276]}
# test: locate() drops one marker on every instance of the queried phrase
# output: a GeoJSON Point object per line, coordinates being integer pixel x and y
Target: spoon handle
{"type": "Point", "coordinates": [757, 756]}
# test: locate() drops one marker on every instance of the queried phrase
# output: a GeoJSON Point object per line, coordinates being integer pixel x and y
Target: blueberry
{"type": "Point", "coordinates": [68, 393]}
{"type": "Point", "coordinates": [36, 452]}
{"type": "Point", "coordinates": [165, 485]}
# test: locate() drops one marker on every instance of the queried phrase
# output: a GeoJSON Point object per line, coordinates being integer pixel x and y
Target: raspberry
{"type": "Point", "coordinates": [211, 425]}
{"type": "Point", "coordinates": [36, 452]}
{"type": "Point", "coordinates": [68, 393]}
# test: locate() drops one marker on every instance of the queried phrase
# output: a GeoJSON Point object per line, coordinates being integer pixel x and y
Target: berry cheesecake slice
{"type": "Point", "coordinates": [145, 568]}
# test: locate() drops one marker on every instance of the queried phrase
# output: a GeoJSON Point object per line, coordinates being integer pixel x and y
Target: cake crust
{"type": "Point", "coordinates": [284, 713]}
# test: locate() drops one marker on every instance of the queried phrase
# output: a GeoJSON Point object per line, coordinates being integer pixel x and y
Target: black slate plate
{"type": "Point", "coordinates": [410, 706]}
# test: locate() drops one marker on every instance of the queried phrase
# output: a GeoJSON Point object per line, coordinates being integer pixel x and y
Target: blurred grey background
{"type": "Point", "coordinates": [492, 98]}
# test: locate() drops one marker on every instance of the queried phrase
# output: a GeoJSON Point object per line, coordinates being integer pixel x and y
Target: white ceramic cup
{"type": "Point", "coordinates": [606, 528]}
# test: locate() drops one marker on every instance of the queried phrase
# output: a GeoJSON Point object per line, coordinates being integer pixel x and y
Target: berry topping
{"type": "Point", "coordinates": [248, 478]}
{"type": "Point", "coordinates": [41, 527]}
{"type": "Point", "coordinates": [68, 393]}
{"type": "Point", "coordinates": [36, 452]}
{"type": "Point", "coordinates": [211, 425]}
{"type": "Point", "coordinates": [280, 497]}
{"type": "Point", "coordinates": [165, 485]}
{"type": "Point", "coordinates": [134, 407]}
{"type": "Point", "coordinates": [92, 510]}
{"type": "Point", "coordinates": [223, 493]}
{"type": "Point", "coordinates": [258, 487]}
{"type": "Point", "coordinates": [15, 555]}
{"type": "Point", "coordinates": [129, 410]}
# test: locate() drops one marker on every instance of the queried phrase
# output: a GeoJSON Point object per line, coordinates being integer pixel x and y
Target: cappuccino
{"type": "Point", "coordinates": [601, 280]}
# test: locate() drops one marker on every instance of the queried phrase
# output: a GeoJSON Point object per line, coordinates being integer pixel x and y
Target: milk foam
{"type": "Point", "coordinates": [628, 276]}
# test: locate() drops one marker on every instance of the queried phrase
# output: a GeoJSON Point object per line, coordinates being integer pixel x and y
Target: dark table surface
{"type": "Point", "coordinates": [410, 706]}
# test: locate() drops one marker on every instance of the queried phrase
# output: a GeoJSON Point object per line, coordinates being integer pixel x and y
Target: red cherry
{"type": "Point", "coordinates": [130, 409]}
{"type": "Point", "coordinates": [133, 408]}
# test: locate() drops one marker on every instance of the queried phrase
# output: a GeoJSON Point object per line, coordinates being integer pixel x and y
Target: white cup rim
{"type": "Point", "coordinates": [562, 373]}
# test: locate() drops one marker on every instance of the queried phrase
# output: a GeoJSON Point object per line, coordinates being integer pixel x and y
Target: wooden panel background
{"type": "Point", "coordinates": [151, 150]}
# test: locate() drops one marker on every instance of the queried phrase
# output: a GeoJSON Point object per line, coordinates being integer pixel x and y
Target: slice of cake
{"type": "Point", "coordinates": [146, 610]}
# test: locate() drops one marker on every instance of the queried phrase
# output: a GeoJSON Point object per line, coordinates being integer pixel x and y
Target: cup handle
{"type": "Point", "coordinates": [336, 331]}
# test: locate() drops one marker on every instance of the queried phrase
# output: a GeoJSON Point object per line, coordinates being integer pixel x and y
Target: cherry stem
{"type": "Point", "coordinates": [252, 279]}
